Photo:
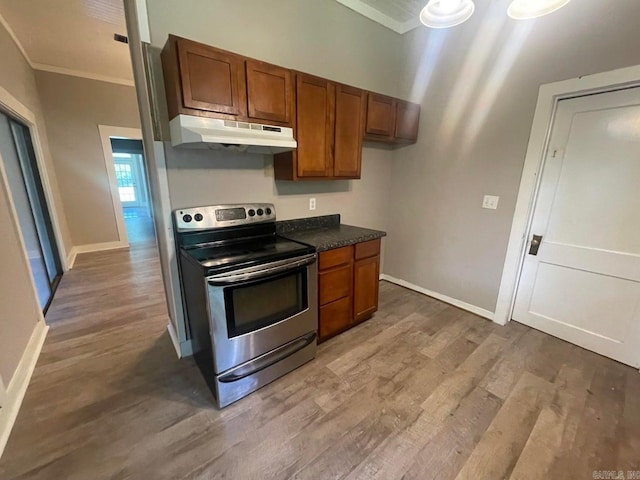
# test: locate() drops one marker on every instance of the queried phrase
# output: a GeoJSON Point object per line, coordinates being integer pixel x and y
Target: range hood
{"type": "Point", "coordinates": [202, 132]}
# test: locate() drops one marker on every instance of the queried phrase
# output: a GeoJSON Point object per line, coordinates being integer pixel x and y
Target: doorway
{"type": "Point", "coordinates": [133, 192]}
{"type": "Point", "coordinates": [125, 164]}
{"type": "Point", "coordinates": [33, 216]}
{"type": "Point", "coordinates": [580, 279]}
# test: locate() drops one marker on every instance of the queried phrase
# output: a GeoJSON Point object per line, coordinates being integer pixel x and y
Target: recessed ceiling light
{"type": "Point", "coordinates": [446, 13]}
{"type": "Point", "coordinates": [525, 9]}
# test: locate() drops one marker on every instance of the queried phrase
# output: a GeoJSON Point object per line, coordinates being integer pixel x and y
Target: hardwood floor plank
{"type": "Point", "coordinates": [629, 453]}
{"type": "Point", "coordinates": [499, 448]}
{"type": "Point", "coordinates": [446, 399]}
{"type": "Point", "coordinates": [422, 390]}
{"type": "Point", "coordinates": [443, 457]}
{"type": "Point", "coordinates": [597, 439]}
{"type": "Point", "coordinates": [554, 432]}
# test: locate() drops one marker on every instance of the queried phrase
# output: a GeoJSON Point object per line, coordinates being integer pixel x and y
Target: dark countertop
{"type": "Point", "coordinates": [326, 232]}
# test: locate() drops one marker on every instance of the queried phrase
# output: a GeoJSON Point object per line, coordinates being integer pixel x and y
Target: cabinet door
{"type": "Point", "coordinates": [269, 92]}
{"type": "Point", "coordinates": [381, 117]}
{"type": "Point", "coordinates": [314, 129]}
{"type": "Point", "coordinates": [211, 79]}
{"type": "Point", "coordinates": [350, 108]}
{"type": "Point", "coordinates": [365, 292]}
{"type": "Point", "coordinates": [407, 121]}
{"type": "Point", "coordinates": [334, 317]}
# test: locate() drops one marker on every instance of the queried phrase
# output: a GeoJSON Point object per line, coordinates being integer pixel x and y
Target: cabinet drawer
{"type": "Point", "coordinates": [367, 249]}
{"type": "Point", "coordinates": [335, 257]}
{"type": "Point", "coordinates": [335, 284]}
{"type": "Point", "coordinates": [335, 317]}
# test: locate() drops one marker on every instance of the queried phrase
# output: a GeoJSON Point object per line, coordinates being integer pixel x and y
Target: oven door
{"type": "Point", "coordinates": [255, 310]}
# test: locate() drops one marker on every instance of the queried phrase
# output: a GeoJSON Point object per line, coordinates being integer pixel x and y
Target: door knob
{"type": "Point", "coordinates": [535, 244]}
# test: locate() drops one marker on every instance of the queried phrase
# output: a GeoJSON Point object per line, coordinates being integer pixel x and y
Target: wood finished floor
{"type": "Point", "coordinates": [423, 390]}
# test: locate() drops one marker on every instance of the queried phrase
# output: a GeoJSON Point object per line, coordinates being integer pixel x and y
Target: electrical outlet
{"type": "Point", "coordinates": [490, 202]}
{"type": "Point", "coordinates": [312, 204]}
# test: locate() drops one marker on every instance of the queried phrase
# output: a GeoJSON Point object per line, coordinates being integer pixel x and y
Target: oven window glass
{"type": "Point", "coordinates": [258, 304]}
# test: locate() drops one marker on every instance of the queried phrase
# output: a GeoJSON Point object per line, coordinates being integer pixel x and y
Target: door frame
{"type": "Point", "coordinates": [14, 107]}
{"type": "Point", "coordinates": [106, 132]}
{"type": "Point", "coordinates": [548, 97]}
{"type": "Point", "coordinates": [3, 393]}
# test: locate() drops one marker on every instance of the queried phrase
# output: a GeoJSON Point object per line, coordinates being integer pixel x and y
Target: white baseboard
{"type": "Point", "coordinates": [452, 301]}
{"type": "Point", "coordinates": [20, 381]}
{"type": "Point", "coordinates": [71, 257]}
{"type": "Point", "coordinates": [183, 349]}
{"type": "Point", "coordinates": [93, 247]}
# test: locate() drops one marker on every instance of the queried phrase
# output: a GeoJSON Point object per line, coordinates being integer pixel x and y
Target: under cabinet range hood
{"type": "Point", "coordinates": [203, 132]}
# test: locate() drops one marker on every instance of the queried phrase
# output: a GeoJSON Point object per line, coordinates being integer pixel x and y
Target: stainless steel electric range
{"type": "Point", "coordinates": [250, 296]}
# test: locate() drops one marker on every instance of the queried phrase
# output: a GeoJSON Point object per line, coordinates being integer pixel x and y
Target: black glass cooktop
{"type": "Point", "coordinates": [246, 253]}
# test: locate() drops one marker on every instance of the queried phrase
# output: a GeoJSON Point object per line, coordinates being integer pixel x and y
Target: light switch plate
{"type": "Point", "coordinates": [490, 202]}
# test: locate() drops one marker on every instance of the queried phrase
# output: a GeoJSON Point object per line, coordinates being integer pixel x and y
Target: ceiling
{"type": "Point", "coordinates": [71, 36]}
{"type": "Point", "coordinates": [398, 15]}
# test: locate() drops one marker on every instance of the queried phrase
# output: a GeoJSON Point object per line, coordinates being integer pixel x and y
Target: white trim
{"type": "Point", "coordinates": [158, 179]}
{"type": "Point", "coordinates": [172, 283]}
{"type": "Point", "coordinates": [20, 381]}
{"type": "Point", "coordinates": [3, 395]}
{"type": "Point", "coordinates": [13, 36]}
{"type": "Point", "coordinates": [106, 132]}
{"type": "Point", "coordinates": [548, 98]}
{"type": "Point", "coordinates": [93, 247]}
{"type": "Point", "coordinates": [96, 247]}
{"type": "Point", "coordinates": [16, 108]}
{"type": "Point", "coordinates": [379, 17]}
{"type": "Point", "coordinates": [82, 74]}
{"type": "Point", "coordinates": [183, 349]}
{"type": "Point", "coordinates": [63, 70]}
{"type": "Point", "coordinates": [143, 21]}
{"type": "Point", "coordinates": [452, 301]}
{"type": "Point", "coordinates": [174, 339]}
{"type": "Point", "coordinates": [71, 258]}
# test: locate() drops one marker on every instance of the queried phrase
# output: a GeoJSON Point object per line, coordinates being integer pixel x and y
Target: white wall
{"type": "Point", "coordinates": [478, 85]}
{"type": "Point", "coordinates": [73, 108]}
{"type": "Point", "coordinates": [19, 308]}
{"type": "Point", "coordinates": [211, 177]}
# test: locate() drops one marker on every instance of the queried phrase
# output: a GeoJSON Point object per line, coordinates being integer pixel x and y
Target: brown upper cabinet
{"type": "Point", "coordinates": [269, 92]}
{"type": "Point", "coordinates": [314, 126]}
{"type": "Point", "coordinates": [349, 128]}
{"type": "Point", "coordinates": [390, 120]}
{"type": "Point", "coordinates": [330, 120]}
{"type": "Point", "coordinates": [381, 117]}
{"type": "Point", "coordinates": [206, 81]}
{"type": "Point", "coordinates": [407, 122]}
{"type": "Point", "coordinates": [329, 129]}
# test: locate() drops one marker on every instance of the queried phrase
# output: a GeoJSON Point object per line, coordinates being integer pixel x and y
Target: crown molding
{"type": "Point", "coordinates": [61, 70]}
{"type": "Point", "coordinates": [12, 34]}
{"type": "Point", "coordinates": [386, 21]}
{"type": "Point", "coordinates": [78, 73]}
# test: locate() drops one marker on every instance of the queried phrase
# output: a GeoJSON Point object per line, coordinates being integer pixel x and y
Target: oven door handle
{"type": "Point", "coordinates": [271, 358]}
{"type": "Point", "coordinates": [273, 269]}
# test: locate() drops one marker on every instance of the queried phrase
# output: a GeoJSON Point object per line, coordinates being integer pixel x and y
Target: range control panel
{"type": "Point", "coordinates": [220, 216]}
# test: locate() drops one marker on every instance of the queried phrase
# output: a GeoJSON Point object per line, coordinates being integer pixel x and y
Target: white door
{"type": "Point", "coordinates": [129, 178]}
{"type": "Point", "coordinates": [584, 283]}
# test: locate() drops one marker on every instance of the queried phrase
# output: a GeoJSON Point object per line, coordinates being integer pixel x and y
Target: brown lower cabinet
{"type": "Point", "coordinates": [347, 286]}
